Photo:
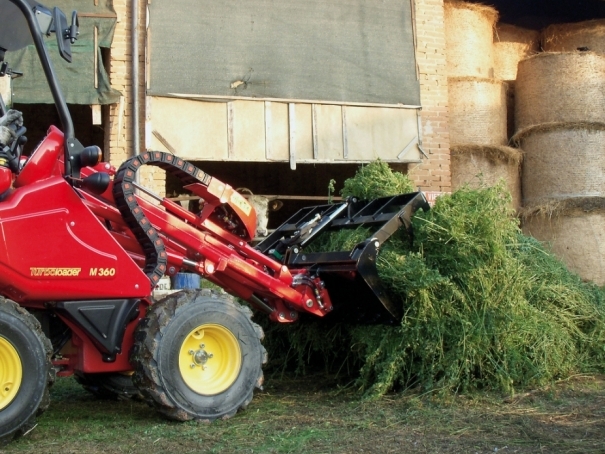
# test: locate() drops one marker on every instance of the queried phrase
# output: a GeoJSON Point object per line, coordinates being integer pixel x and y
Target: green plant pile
{"type": "Point", "coordinates": [485, 307]}
{"type": "Point", "coordinates": [376, 180]}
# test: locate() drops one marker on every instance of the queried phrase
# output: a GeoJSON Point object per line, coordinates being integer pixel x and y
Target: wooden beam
{"type": "Point", "coordinates": [230, 131]}
{"type": "Point", "coordinates": [95, 40]}
{"type": "Point", "coordinates": [285, 100]}
{"type": "Point", "coordinates": [345, 137]}
{"type": "Point", "coordinates": [97, 115]}
{"type": "Point", "coordinates": [292, 124]}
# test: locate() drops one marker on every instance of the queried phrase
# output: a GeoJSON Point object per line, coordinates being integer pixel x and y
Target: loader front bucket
{"type": "Point", "coordinates": [350, 277]}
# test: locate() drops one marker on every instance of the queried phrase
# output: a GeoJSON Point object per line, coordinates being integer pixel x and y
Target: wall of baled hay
{"type": "Point", "coordinates": [560, 87]}
{"type": "Point", "coordinates": [570, 37]}
{"type": "Point", "coordinates": [511, 45]}
{"type": "Point", "coordinates": [576, 236]}
{"type": "Point", "coordinates": [561, 162]}
{"type": "Point", "coordinates": [468, 39]}
{"type": "Point", "coordinates": [481, 166]}
{"type": "Point", "coordinates": [477, 111]}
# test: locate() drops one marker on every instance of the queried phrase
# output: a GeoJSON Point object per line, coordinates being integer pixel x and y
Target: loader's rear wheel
{"type": "Point", "coordinates": [198, 355]}
{"type": "Point", "coordinates": [114, 386]}
{"type": "Point", "coordinates": [26, 371]}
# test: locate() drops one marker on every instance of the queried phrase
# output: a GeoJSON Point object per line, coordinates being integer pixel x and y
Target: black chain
{"type": "Point", "coordinates": [124, 195]}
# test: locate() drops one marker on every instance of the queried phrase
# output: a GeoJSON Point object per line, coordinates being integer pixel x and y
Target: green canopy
{"type": "Point", "coordinates": [78, 80]}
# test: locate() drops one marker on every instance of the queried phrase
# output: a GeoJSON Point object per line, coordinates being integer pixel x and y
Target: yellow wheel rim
{"type": "Point", "coordinates": [210, 359]}
{"type": "Point", "coordinates": [11, 372]}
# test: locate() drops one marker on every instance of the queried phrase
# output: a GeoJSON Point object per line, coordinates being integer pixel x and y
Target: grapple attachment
{"type": "Point", "coordinates": [351, 277]}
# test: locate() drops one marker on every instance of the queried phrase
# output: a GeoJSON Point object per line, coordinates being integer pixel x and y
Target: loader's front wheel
{"type": "Point", "coordinates": [198, 355]}
{"type": "Point", "coordinates": [26, 371]}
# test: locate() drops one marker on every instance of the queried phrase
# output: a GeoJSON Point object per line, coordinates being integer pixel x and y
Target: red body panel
{"type": "Point", "coordinates": [53, 248]}
{"type": "Point", "coordinates": [44, 161]}
{"type": "Point", "coordinates": [59, 243]}
{"type": "Point", "coordinates": [88, 359]}
{"type": "Point", "coordinates": [6, 178]}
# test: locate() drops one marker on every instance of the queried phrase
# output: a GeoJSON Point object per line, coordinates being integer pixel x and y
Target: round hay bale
{"type": "Point", "coordinates": [576, 232]}
{"type": "Point", "coordinates": [468, 39]}
{"type": "Point", "coordinates": [480, 166]}
{"type": "Point", "coordinates": [563, 161]}
{"type": "Point", "coordinates": [571, 37]}
{"type": "Point", "coordinates": [511, 45]}
{"type": "Point", "coordinates": [560, 87]}
{"type": "Point", "coordinates": [477, 111]}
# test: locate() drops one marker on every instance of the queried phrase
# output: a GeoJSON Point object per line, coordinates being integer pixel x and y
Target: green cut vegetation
{"type": "Point", "coordinates": [485, 307]}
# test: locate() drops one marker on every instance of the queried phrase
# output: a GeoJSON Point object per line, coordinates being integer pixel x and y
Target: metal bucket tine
{"type": "Point", "coordinates": [351, 277]}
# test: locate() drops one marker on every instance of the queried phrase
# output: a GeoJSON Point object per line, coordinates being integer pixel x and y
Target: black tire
{"type": "Point", "coordinates": [25, 347]}
{"type": "Point", "coordinates": [162, 340]}
{"type": "Point", "coordinates": [111, 386]}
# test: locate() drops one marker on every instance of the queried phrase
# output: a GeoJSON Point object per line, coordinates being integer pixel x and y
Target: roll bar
{"type": "Point", "coordinates": [72, 146]}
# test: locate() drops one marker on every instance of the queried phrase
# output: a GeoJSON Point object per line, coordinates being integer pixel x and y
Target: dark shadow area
{"type": "Point", "coordinates": [541, 13]}
{"type": "Point", "coordinates": [38, 118]}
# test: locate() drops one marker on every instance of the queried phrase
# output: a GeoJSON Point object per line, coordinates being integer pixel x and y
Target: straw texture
{"type": "Point", "coordinates": [570, 37]}
{"type": "Point", "coordinates": [511, 45]}
{"type": "Point", "coordinates": [562, 162]}
{"type": "Point", "coordinates": [469, 39]}
{"type": "Point", "coordinates": [477, 111]}
{"type": "Point", "coordinates": [482, 166]}
{"type": "Point", "coordinates": [576, 234]}
{"type": "Point", "coordinates": [560, 87]}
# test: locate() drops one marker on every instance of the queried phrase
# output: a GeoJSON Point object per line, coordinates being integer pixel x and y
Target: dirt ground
{"type": "Point", "coordinates": [313, 415]}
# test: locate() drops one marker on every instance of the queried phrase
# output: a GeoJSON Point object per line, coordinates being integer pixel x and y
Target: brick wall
{"type": "Point", "coordinates": [118, 140]}
{"type": "Point", "coordinates": [433, 174]}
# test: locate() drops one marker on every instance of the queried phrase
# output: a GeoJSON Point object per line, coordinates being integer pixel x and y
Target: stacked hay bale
{"type": "Point", "coordinates": [478, 166]}
{"type": "Point", "coordinates": [477, 101]}
{"type": "Point", "coordinates": [468, 38]}
{"type": "Point", "coordinates": [511, 45]}
{"type": "Point", "coordinates": [477, 111]}
{"type": "Point", "coordinates": [588, 35]}
{"type": "Point", "coordinates": [575, 229]}
{"type": "Point", "coordinates": [560, 120]}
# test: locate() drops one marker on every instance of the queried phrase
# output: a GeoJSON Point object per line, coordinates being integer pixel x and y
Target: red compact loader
{"type": "Point", "coordinates": [82, 246]}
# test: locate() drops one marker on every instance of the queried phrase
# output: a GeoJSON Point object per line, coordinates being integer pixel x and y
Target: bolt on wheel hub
{"type": "Point", "coordinates": [200, 357]}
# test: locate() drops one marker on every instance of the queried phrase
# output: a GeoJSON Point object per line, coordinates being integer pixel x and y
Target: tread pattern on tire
{"type": "Point", "coordinates": [32, 323]}
{"type": "Point", "coordinates": [148, 335]}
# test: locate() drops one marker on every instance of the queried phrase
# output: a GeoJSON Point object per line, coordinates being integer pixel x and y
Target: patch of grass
{"type": "Point", "coordinates": [311, 415]}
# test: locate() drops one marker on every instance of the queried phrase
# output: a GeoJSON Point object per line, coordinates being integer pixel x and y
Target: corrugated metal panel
{"type": "Point", "coordinates": [380, 133]}
{"type": "Point", "coordinates": [304, 132]}
{"type": "Point", "coordinates": [276, 131]}
{"type": "Point", "coordinates": [248, 131]}
{"type": "Point", "coordinates": [329, 132]}
{"type": "Point", "coordinates": [272, 131]}
{"type": "Point", "coordinates": [195, 130]}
